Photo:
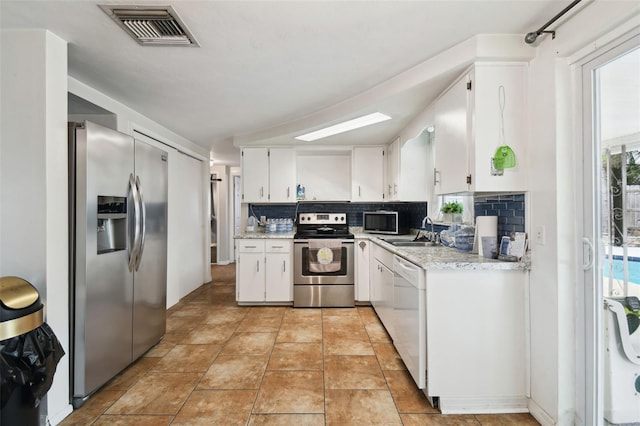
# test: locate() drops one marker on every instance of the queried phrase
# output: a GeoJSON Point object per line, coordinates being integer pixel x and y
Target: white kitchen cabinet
{"type": "Point", "coordinates": [250, 271]}
{"type": "Point", "coordinates": [409, 169]}
{"type": "Point", "coordinates": [263, 271]}
{"type": "Point", "coordinates": [255, 175]}
{"type": "Point", "coordinates": [279, 271]}
{"type": "Point", "coordinates": [362, 270]}
{"type": "Point", "coordinates": [367, 180]}
{"type": "Point", "coordinates": [381, 276]}
{"type": "Point", "coordinates": [268, 175]}
{"type": "Point", "coordinates": [476, 340]}
{"type": "Point", "coordinates": [393, 171]}
{"type": "Point", "coordinates": [282, 175]}
{"type": "Point", "coordinates": [468, 129]}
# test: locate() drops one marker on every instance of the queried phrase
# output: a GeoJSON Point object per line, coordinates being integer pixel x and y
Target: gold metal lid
{"type": "Point", "coordinates": [16, 293]}
{"type": "Point", "coordinates": [15, 327]}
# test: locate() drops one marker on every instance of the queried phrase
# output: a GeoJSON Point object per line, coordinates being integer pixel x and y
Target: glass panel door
{"type": "Point", "coordinates": [611, 89]}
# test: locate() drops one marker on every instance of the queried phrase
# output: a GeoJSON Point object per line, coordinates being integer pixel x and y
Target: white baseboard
{"type": "Point", "coordinates": [60, 415]}
{"type": "Point", "coordinates": [540, 415]}
{"type": "Point", "coordinates": [222, 263]}
{"type": "Point", "coordinates": [483, 405]}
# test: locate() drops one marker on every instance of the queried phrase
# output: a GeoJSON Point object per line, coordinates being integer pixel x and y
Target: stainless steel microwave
{"type": "Point", "coordinates": [385, 222]}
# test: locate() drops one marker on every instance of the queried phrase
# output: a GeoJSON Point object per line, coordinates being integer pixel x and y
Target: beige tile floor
{"type": "Point", "coordinates": [221, 364]}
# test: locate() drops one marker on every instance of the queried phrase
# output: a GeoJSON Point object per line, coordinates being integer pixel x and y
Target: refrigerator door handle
{"type": "Point", "coordinates": [135, 245]}
{"type": "Point", "coordinates": [143, 222]}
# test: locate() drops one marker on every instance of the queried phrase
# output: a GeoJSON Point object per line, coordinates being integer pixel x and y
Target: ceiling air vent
{"type": "Point", "coordinates": [151, 25]}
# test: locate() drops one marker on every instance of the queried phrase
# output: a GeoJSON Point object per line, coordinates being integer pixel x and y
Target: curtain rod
{"type": "Point", "coordinates": [531, 37]}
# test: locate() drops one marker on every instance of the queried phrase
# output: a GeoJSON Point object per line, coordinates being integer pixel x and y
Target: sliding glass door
{"type": "Point", "coordinates": [611, 244]}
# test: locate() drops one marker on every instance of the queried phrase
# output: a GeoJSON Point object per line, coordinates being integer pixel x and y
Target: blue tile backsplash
{"type": "Point", "coordinates": [510, 210]}
{"type": "Point", "coordinates": [416, 211]}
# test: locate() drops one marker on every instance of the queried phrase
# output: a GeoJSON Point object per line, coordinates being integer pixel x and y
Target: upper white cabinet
{"type": "Point", "coordinates": [367, 180]}
{"type": "Point", "coordinates": [393, 171]}
{"type": "Point", "coordinates": [409, 169]}
{"type": "Point", "coordinates": [255, 175]}
{"type": "Point", "coordinates": [282, 175]}
{"type": "Point", "coordinates": [268, 175]}
{"type": "Point", "coordinates": [470, 118]}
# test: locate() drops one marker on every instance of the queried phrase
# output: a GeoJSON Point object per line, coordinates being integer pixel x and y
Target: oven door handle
{"type": "Point", "coordinates": [307, 241]}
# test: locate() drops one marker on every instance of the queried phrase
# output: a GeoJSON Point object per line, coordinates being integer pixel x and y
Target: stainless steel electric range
{"type": "Point", "coordinates": [323, 271]}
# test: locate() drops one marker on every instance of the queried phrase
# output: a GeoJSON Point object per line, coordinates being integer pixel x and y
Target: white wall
{"type": "Point", "coordinates": [33, 177]}
{"type": "Point", "coordinates": [552, 205]}
{"type": "Point", "coordinates": [33, 182]}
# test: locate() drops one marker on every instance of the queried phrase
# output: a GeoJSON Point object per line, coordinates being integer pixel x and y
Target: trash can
{"type": "Point", "coordinates": [29, 353]}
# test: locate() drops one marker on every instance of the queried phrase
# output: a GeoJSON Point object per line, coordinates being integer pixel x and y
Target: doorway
{"type": "Point", "coordinates": [611, 229]}
{"type": "Point", "coordinates": [213, 196]}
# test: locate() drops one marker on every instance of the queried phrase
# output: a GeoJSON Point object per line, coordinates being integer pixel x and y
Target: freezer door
{"type": "Point", "coordinates": [150, 276]}
{"type": "Point", "coordinates": [102, 287]}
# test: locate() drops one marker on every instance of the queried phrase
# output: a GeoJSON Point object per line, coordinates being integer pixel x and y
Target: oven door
{"type": "Point", "coordinates": [304, 272]}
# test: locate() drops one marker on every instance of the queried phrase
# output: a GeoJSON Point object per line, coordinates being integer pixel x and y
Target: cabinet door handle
{"type": "Point", "coordinates": [276, 246]}
{"type": "Point", "coordinates": [359, 191]}
{"type": "Point", "coordinates": [257, 266]}
{"type": "Point", "coordinates": [261, 191]}
{"type": "Point", "coordinates": [249, 246]}
{"type": "Point", "coordinates": [395, 188]}
{"type": "Point", "coordinates": [284, 266]}
{"type": "Point", "coordinates": [389, 189]}
{"type": "Point", "coordinates": [436, 176]}
{"type": "Point", "coordinates": [362, 244]}
{"type": "Point", "coordinates": [288, 191]}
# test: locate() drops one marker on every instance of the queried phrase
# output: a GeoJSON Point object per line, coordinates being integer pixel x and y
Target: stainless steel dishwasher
{"type": "Point", "coordinates": [409, 314]}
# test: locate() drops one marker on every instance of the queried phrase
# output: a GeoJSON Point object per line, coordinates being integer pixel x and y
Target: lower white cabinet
{"type": "Point", "coordinates": [362, 270]}
{"type": "Point", "coordinates": [381, 277]}
{"type": "Point", "coordinates": [476, 340]}
{"type": "Point", "coordinates": [264, 271]}
{"type": "Point", "coordinates": [476, 359]}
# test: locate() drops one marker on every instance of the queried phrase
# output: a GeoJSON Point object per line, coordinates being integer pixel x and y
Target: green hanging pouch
{"type": "Point", "coordinates": [504, 157]}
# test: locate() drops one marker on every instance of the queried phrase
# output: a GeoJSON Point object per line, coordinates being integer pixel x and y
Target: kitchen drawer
{"type": "Point", "coordinates": [251, 246]}
{"type": "Point", "coordinates": [278, 246]}
{"type": "Point", "coordinates": [383, 255]}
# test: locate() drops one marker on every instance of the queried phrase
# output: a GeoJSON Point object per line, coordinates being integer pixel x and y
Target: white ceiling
{"type": "Point", "coordinates": [266, 70]}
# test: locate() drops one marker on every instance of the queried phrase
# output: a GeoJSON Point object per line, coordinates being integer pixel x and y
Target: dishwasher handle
{"type": "Point", "coordinates": [407, 270]}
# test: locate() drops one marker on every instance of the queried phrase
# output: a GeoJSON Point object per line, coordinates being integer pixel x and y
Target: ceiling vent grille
{"type": "Point", "coordinates": [151, 25]}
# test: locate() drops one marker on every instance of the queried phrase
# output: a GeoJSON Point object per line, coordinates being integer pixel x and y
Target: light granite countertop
{"type": "Point", "coordinates": [428, 258]}
{"type": "Point", "coordinates": [260, 234]}
{"type": "Point", "coordinates": [440, 257]}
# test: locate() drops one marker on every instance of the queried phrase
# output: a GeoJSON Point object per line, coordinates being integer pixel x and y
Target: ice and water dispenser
{"type": "Point", "coordinates": [112, 224]}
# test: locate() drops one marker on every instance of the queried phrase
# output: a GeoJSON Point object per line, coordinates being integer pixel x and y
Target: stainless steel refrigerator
{"type": "Point", "coordinates": [118, 223]}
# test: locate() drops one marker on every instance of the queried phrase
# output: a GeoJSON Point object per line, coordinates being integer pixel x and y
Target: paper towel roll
{"type": "Point", "coordinates": [486, 226]}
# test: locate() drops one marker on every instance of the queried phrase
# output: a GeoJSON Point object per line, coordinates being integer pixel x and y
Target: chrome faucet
{"type": "Point", "coordinates": [424, 222]}
{"type": "Point", "coordinates": [431, 236]}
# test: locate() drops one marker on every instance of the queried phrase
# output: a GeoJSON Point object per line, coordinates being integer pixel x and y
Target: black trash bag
{"type": "Point", "coordinates": [29, 360]}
